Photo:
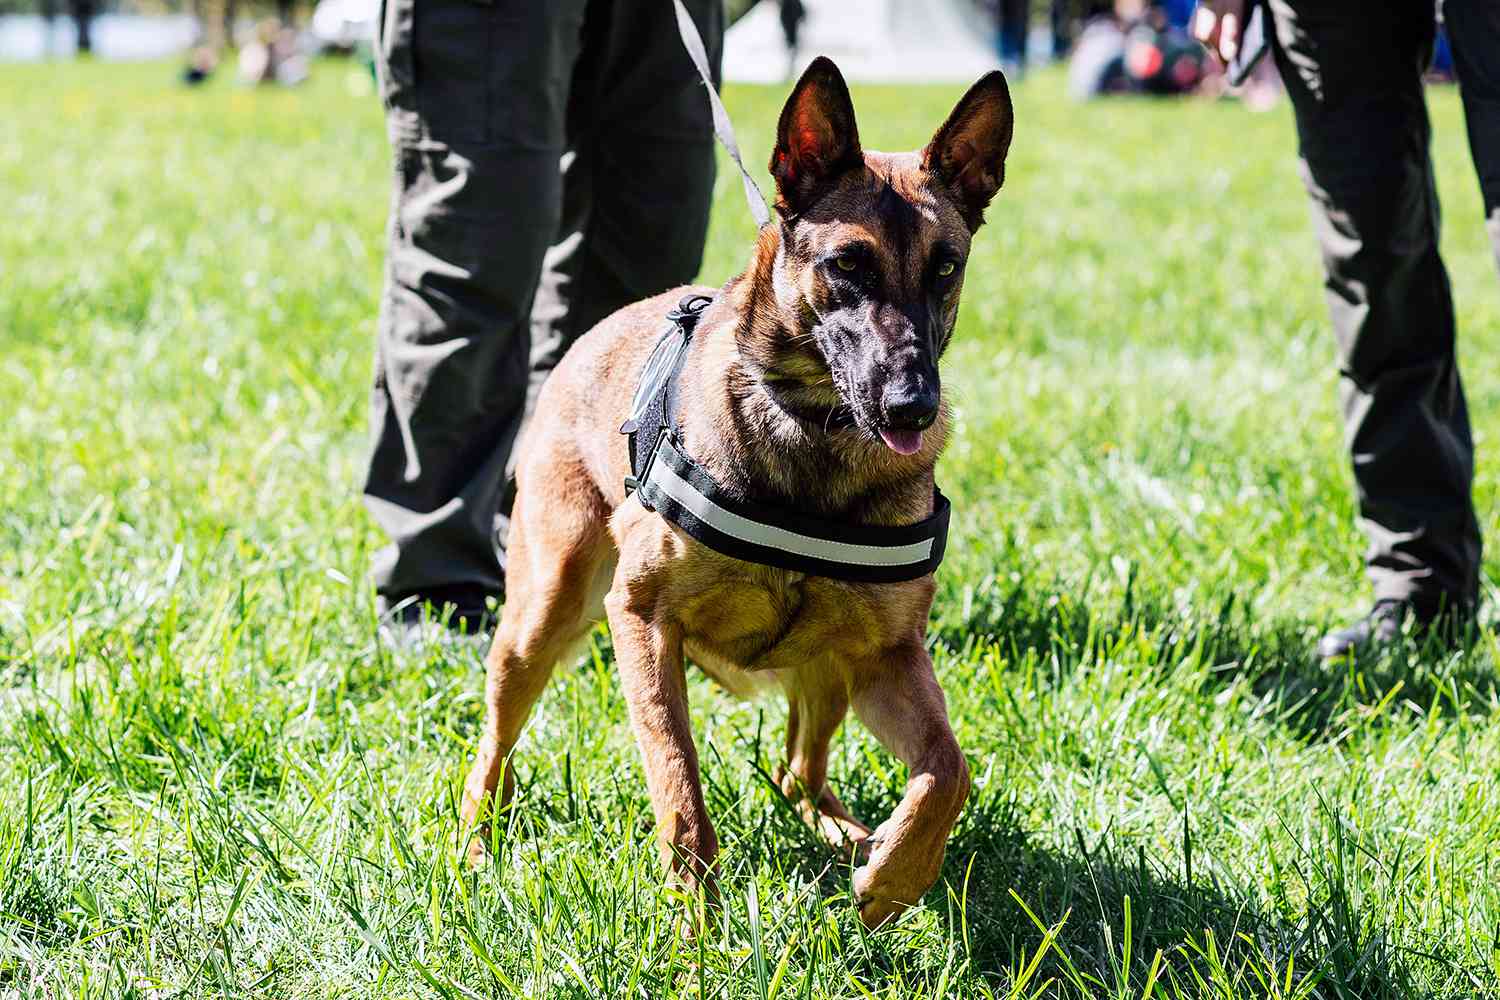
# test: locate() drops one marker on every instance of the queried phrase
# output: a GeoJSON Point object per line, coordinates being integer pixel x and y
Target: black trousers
{"type": "Point", "coordinates": [1354, 70]}
{"type": "Point", "coordinates": [553, 162]}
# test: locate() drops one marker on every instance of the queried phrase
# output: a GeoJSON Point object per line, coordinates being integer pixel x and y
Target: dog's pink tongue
{"type": "Point", "coordinates": [902, 442]}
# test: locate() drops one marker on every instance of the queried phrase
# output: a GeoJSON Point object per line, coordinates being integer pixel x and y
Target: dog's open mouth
{"type": "Point", "coordinates": [901, 442]}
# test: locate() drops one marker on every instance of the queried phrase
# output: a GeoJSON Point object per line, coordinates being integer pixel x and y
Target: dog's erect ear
{"type": "Point", "coordinates": [817, 139]}
{"type": "Point", "coordinates": [968, 152]}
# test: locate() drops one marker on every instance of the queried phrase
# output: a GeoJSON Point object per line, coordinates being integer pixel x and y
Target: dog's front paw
{"type": "Point", "coordinates": [874, 897]}
{"type": "Point", "coordinates": [889, 885]}
{"type": "Point", "coordinates": [474, 817]}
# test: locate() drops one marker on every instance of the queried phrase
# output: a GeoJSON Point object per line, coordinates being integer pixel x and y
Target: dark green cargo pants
{"type": "Point", "coordinates": [553, 162]}
{"type": "Point", "coordinates": [1353, 70]}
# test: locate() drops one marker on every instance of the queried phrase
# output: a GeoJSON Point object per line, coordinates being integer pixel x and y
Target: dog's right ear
{"type": "Point", "coordinates": [816, 139]}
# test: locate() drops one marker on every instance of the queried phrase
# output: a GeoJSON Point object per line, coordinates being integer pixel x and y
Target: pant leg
{"type": "Point", "coordinates": [1353, 72]}
{"type": "Point", "coordinates": [475, 97]}
{"type": "Point", "coordinates": [638, 174]}
{"type": "Point", "coordinates": [1061, 13]}
{"type": "Point", "coordinates": [1015, 17]}
{"type": "Point", "coordinates": [1474, 35]}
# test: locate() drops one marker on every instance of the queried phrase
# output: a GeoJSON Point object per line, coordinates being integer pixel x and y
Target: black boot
{"type": "Point", "coordinates": [1381, 627]}
{"type": "Point", "coordinates": [457, 611]}
{"type": "Point", "coordinates": [1447, 625]}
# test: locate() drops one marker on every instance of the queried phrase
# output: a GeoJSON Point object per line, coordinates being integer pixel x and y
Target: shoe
{"type": "Point", "coordinates": [1387, 621]}
{"type": "Point", "coordinates": [448, 613]}
{"type": "Point", "coordinates": [1381, 627]}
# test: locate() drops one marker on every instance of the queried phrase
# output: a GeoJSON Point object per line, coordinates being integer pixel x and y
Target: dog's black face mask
{"type": "Point", "coordinates": [872, 252]}
{"type": "Point", "coordinates": [881, 335]}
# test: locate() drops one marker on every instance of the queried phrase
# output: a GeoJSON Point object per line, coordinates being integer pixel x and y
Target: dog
{"type": "Point", "coordinates": [811, 383]}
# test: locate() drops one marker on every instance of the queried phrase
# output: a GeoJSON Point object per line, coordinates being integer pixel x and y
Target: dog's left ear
{"type": "Point", "coordinates": [816, 139]}
{"type": "Point", "coordinates": [968, 152]}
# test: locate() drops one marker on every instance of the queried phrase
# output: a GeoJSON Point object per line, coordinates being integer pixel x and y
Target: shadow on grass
{"type": "Point", "coordinates": [1111, 919]}
{"type": "Point", "coordinates": [1105, 920]}
{"type": "Point", "coordinates": [1042, 619]}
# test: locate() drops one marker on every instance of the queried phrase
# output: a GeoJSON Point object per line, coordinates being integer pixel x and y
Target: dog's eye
{"type": "Point", "coordinates": [946, 269]}
{"type": "Point", "coordinates": [846, 263]}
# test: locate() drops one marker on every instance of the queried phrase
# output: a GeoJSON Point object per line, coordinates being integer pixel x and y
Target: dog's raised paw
{"type": "Point", "coordinates": [877, 898]}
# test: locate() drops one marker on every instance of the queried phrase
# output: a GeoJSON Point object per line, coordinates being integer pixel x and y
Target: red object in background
{"type": "Point", "coordinates": [1144, 60]}
{"type": "Point", "coordinates": [1185, 72]}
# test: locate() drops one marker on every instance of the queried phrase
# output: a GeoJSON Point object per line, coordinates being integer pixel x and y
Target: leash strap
{"type": "Point", "coordinates": [666, 480]}
{"type": "Point", "coordinates": [723, 128]}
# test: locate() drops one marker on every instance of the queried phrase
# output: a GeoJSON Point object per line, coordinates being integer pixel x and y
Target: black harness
{"type": "Point", "coordinates": [666, 480]}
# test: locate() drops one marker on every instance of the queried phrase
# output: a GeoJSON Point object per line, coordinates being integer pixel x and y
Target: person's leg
{"type": "Point", "coordinates": [638, 176]}
{"type": "Point", "coordinates": [1062, 29]}
{"type": "Point", "coordinates": [1474, 34]}
{"type": "Point", "coordinates": [1353, 72]}
{"type": "Point", "coordinates": [1014, 18]}
{"type": "Point", "coordinates": [475, 96]}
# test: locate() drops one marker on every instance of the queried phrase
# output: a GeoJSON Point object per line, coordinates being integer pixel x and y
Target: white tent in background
{"type": "Point", "coordinates": [871, 40]}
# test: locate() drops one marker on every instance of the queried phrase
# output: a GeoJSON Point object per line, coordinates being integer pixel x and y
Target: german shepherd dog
{"type": "Point", "coordinates": [811, 383]}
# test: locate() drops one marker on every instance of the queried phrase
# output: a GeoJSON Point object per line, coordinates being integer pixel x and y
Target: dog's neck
{"type": "Point", "coordinates": [758, 448]}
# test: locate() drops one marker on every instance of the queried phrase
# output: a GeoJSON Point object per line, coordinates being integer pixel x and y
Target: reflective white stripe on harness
{"type": "Point", "coordinates": [664, 477]}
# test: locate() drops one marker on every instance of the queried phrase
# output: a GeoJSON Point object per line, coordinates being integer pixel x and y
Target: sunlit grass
{"type": "Point", "coordinates": [214, 781]}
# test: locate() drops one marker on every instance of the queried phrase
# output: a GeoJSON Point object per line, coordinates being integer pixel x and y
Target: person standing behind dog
{"type": "Point", "coordinates": [553, 162]}
{"type": "Point", "coordinates": [1353, 71]}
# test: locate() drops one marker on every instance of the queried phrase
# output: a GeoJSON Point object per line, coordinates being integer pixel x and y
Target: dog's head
{"type": "Point", "coordinates": [869, 260]}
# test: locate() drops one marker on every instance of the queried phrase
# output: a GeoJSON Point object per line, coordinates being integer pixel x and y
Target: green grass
{"type": "Point", "coordinates": [215, 782]}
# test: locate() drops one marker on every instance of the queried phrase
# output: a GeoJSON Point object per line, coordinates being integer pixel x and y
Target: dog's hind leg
{"type": "Point", "coordinates": [815, 708]}
{"type": "Point", "coordinates": [558, 569]}
{"type": "Point", "coordinates": [900, 701]}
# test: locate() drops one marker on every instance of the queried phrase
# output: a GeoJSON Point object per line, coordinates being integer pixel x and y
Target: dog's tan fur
{"type": "Point", "coordinates": [581, 550]}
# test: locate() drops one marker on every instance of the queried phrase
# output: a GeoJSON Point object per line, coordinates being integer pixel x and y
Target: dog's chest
{"type": "Point", "coordinates": [776, 620]}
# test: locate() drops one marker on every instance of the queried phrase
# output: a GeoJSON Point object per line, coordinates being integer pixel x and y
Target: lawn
{"type": "Point", "coordinates": [214, 781]}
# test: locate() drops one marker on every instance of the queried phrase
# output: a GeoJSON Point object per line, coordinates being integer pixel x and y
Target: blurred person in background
{"type": "Point", "coordinates": [273, 55]}
{"type": "Point", "coordinates": [552, 163]}
{"type": "Point", "coordinates": [82, 12]}
{"type": "Point", "coordinates": [793, 13]}
{"type": "Point", "coordinates": [1179, 13]}
{"type": "Point", "coordinates": [1135, 48]}
{"type": "Point", "coordinates": [1353, 71]}
{"type": "Point", "coordinates": [1013, 22]}
{"type": "Point", "coordinates": [202, 61]}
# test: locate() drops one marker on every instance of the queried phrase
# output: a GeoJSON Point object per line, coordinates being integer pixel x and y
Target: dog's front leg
{"type": "Point", "coordinates": [816, 705]}
{"type": "Point", "coordinates": [902, 704]}
{"type": "Point", "coordinates": [648, 653]}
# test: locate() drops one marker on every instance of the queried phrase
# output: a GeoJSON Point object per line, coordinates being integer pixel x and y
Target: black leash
{"type": "Point", "coordinates": [666, 480]}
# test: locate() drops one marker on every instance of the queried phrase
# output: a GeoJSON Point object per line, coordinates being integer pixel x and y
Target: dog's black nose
{"type": "Point", "coordinates": [910, 407]}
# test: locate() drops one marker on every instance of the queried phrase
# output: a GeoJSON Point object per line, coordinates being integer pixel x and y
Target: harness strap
{"type": "Point", "coordinates": [653, 408]}
{"type": "Point", "coordinates": [683, 492]}
{"type": "Point", "coordinates": [665, 479]}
